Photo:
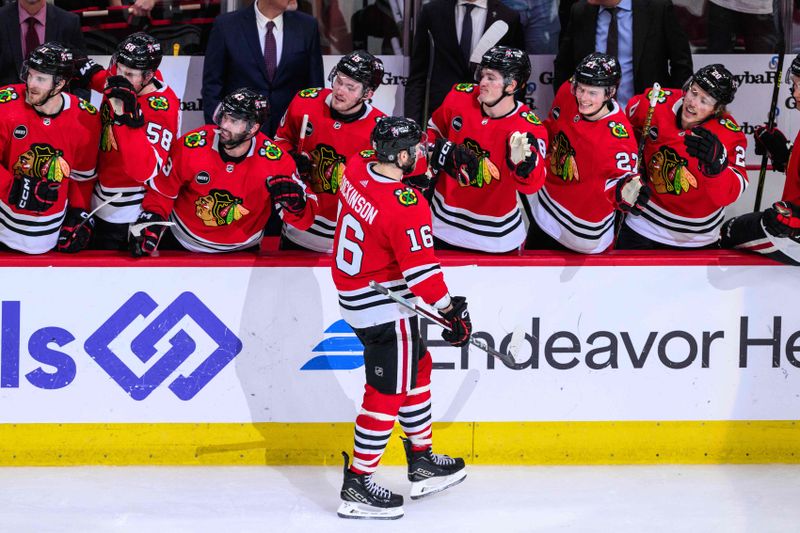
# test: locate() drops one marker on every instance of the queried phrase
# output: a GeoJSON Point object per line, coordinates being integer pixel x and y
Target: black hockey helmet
{"type": "Point", "coordinates": [362, 67]}
{"type": "Point", "coordinates": [244, 104]}
{"type": "Point", "coordinates": [512, 63]}
{"type": "Point", "coordinates": [598, 70]}
{"type": "Point", "coordinates": [140, 51]}
{"type": "Point", "coordinates": [391, 135]}
{"type": "Point", "coordinates": [50, 58]}
{"type": "Point", "coordinates": [717, 81]}
{"type": "Point", "coordinates": [795, 67]}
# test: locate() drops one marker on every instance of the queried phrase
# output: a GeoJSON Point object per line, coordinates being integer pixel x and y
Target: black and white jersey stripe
{"type": "Point", "coordinates": [123, 210]}
{"type": "Point", "coordinates": [570, 230]}
{"type": "Point", "coordinates": [366, 307]}
{"type": "Point", "coordinates": [318, 237]}
{"type": "Point", "coordinates": [196, 243]}
{"type": "Point", "coordinates": [420, 273]}
{"type": "Point", "coordinates": [461, 227]}
{"type": "Point", "coordinates": [660, 225]}
{"type": "Point", "coordinates": [31, 234]}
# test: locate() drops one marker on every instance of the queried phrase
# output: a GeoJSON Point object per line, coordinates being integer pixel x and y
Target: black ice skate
{"type": "Point", "coordinates": [365, 499]}
{"type": "Point", "coordinates": [430, 473]}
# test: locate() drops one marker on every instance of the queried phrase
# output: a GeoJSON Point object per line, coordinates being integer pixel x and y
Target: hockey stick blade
{"type": "Point", "coordinates": [136, 229]}
{"type": "Point", "coordinates": [490, 37]}
{"type": "Point", "coordinates": [506, 358]}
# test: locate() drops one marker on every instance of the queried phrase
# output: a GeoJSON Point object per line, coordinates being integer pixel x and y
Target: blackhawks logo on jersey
{"type": "Point", "coordinates": [668, 172]}
{"type": "Point", "coordinates": [562, 158]}
{"type": "Point", "coordinates": [487, 171]}
{"type": "Point", "coordinates": [86, 106]}
{"type": "Point", "coordinates": [367, 154]}
{"type": "Point", "coordinates": [531, 117]}
{"type": "Point", "coordinates": [159, 103]}
{"type": "Point", "coordinates": [662, 95]}
{"type": "Point", "coordinates": [195, 139]}
{"type": "Point", "coordinates": [219, 208]}
{"type": "Point", "coordinates": [618, 130]}
{"type": "Point", "coordinates": [42, 160]}
{"type": "Point", "coordinates": [327, 167]}
{"type": "Point", "coordinates": [309, 93]}
{"type": "Point", "coordinates": [407, 197]}
{"type": "Point", "coordinates": [729, 124]}
{"type": "Point", "coordinates": [8, 94]}
{"type": "Point", "coordinates": [270, 151]}
{"type": "Point", "coordinates": [465, 87]}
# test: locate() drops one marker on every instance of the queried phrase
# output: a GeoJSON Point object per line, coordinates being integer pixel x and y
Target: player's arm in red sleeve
{"type": "Point", "coordinates": [620, 166]}
{"type": "Point", "coordinates": [164, 188]}
{"type": "Point", "coordinates": [727, 186]}
{"type": "Point", "coordinates": [791, 188]}
{"type": "Point", "coordinates": [144, 149]}
{"type": "Point", "coordinates": [411, 237]}
{"type": "Point", "coordinates": [83, 172]}
{"type": "Point", "coordinates": [289, 130]}
{"type": "Point", "coordinates": [439, 124]}
{"type": "Point", "coordinates": [565, 91]}
{"type": "Point", "coordinates": [637, 113]}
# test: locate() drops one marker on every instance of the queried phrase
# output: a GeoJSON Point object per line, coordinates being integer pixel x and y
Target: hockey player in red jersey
{"type": "Point", "coordinates": [591, 165]}
{"type": "Point", "coordinates": [48, 146]}
{"type": "Point", "coordinates": [140, 121]}
{"type": "Point", "coordinates": [384, 234]}
{"type": "Point", "coordinates": [775, 231]}
{"type": "Point", "coordinates": [219, 184]}
{"type": "Point", "coordinates": [340, 121]}
{"type": "Point", "coordinates": [488, 147]}
{"type": "Point", "coordinates": [694, 160]}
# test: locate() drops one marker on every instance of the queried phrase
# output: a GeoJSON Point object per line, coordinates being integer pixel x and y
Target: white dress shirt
{"type": "Point", "coordinates": [478, 20]}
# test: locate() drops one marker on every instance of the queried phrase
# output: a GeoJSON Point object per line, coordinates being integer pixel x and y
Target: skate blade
{"type": "Point", "coordinates": [361, 511]}
{"type": "Point", "coordinates": [421, 489]}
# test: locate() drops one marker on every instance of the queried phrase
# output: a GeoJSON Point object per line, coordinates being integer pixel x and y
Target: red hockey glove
{"type": "Point", "coordinates": [782, 220]}
{"type": "Point", "coordinates": [632, 195]}
{"type": "Point", "coordinates": [288, 192]}
{"type": "Point", "coordinates": [126, 109]}
{"type": "Point", "coordinates": [708, 150]}
{"type": "Point", "coordinates": [76, 231]}
{"type": "Point", "coordinates": [455, 159]}
{"type": "Point", "coordinates": [146, 233]}
{"type": "Point", "coordinates": [523, 153]}
{"type": "Point", "coordinates": [460, 324]}
{"type": "Point", "coordinates": [773, 143]}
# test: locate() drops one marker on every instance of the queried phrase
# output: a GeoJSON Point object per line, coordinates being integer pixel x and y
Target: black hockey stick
{"type": "Point", "coordinates": [762, 173]}
{"type": "Point", "coordinates": [509, 359]}
{"type": "Point", "coordinates": [426, 103]}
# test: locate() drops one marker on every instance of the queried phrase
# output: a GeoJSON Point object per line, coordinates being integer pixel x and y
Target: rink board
{"type": "Point", "coordinates": [178, 360]}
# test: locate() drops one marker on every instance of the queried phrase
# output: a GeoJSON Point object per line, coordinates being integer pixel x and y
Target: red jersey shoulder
{"type": "Point", "coordinates": [726, 129]}
{"type": "Point", "coordinates": [11, 95]}
{"type": "Point", "coordinates": [198, 138]}
{"type": "Point", "coordinates": [313, 93]}
{"type": "Point", "coordinates": [162, 101]}
{"type": "Point", "coordinates": [526, 115]}
{"type": "Point", "coordinates": [462, 94]}
{"type": "Point", "coordinates": [267, 149]}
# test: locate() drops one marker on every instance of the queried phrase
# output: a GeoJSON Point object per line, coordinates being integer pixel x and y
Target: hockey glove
{"type": "Point", "coordinates": [705, 146]}
{"type": "Point", "coordinates": [458, 320]}
{"type": "Point", "coordinates": [149, 227]}
{"type": "Point", "coordinates": [126, 108]}
{"type": "Point", "coordinates": [303, 164]}
{"type": "Point", "coordinates": [455, 159]}
{"type": "Point", "coordinates": [523, 153]}
{"type": "Point", "coordinates": [773, 143]}
{"type": "Point", "coordinates": [782, 220]}
{"type": "Point", "coordinates": [33, 194]}
{"type": "Point", "coordinates": [85, 69]}
{"type": "Point", "coordinates": [632, 195]}
{"type": "Point", "coordinates": [76, 231]}
{"type": "Point", "coordinates": [420, 182]}
{"type": "Point", "coordinates": [287, 192]}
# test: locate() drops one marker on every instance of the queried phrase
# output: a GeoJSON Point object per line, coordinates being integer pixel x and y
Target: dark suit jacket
{"type": "Point", "coordinates": [59, 25]}
{"type": "Point", "coordinates": [234, 60]}
{"type": "Point", "coordinates": [660, 46]}
{"type": "Point", "coordinates": [449, 65]}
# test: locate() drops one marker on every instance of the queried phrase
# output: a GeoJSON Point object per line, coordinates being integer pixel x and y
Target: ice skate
{"type": "Point", "coordinates": [362, 498]}
{"type": "Point", "coordinates": [430, 473]}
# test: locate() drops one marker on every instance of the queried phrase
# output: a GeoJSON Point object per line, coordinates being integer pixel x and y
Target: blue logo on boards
{"type": "Point", "coordinates": [339, 350]}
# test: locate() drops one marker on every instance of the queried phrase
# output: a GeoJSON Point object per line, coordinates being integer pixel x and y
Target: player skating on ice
{"type": "Point", "coordinates": [694, 161]}
{"type": "Point", "coordinates": [48, 154]}
{"type": "Point", "coordinates": [216, 191]}
{"type": "Point", "coordinates": [775, 231]}
{"type": "Point", "coordinates": [338, 123]}
{"type": "Point", "coordinates": [591, 164]}
{"type": "Point", "coordinates": [488, 147]}
{"type": "Point", "coordinates": [384, 234]}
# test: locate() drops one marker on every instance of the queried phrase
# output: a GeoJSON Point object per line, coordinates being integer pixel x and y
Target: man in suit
{"type": "Point", "coordinates": [26, 25]}
{"type": "Point", "coordinates": [267, 48]}
{"type": "Point", "coordinates": [445, 19]}
{"type": "Point", "coordinates": [650, 45]}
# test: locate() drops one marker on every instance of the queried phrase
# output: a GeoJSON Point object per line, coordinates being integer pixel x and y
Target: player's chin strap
{"type": "Point", "coordinates": [502, 96]}
{"type": "Point", "coordinates": [607, 104]}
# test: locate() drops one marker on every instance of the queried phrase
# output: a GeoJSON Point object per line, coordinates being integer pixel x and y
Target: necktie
{"type": "Point", "coordinates": [270, 51]}
{"type": "Point", "coordinates": [612, 44]}
{"type": "Point", "coordinates": [466, 32]}
{"type": "Point", "coordinates": [31, 37]}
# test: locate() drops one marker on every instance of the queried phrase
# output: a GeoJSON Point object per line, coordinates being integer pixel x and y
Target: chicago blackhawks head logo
{"type": "Point", "coordinates": [159, 103]}
{"type": "Point", "coordinates": [407, 197]}
{"type": "Point", "coordinates": [668, 172]}
{"type": "Point", "coordinates": [270, 151]}
{"type": "Point", "coordinates": [195, 139]}
{"type": "Point", "coordinates": [487, 171]}
{"type": "Point", "coordinates": [219, 208]}
{"type": "Point", "coordinates": [327, 168]}
{"type": "Point", "coordinates": [309, 93]}
{"type": "Point", "coordinates": [562, 158]}
{"type": "Point", "coordinates": [42, 160]}
{"type": "Point", "coordinates": [8, 94]}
